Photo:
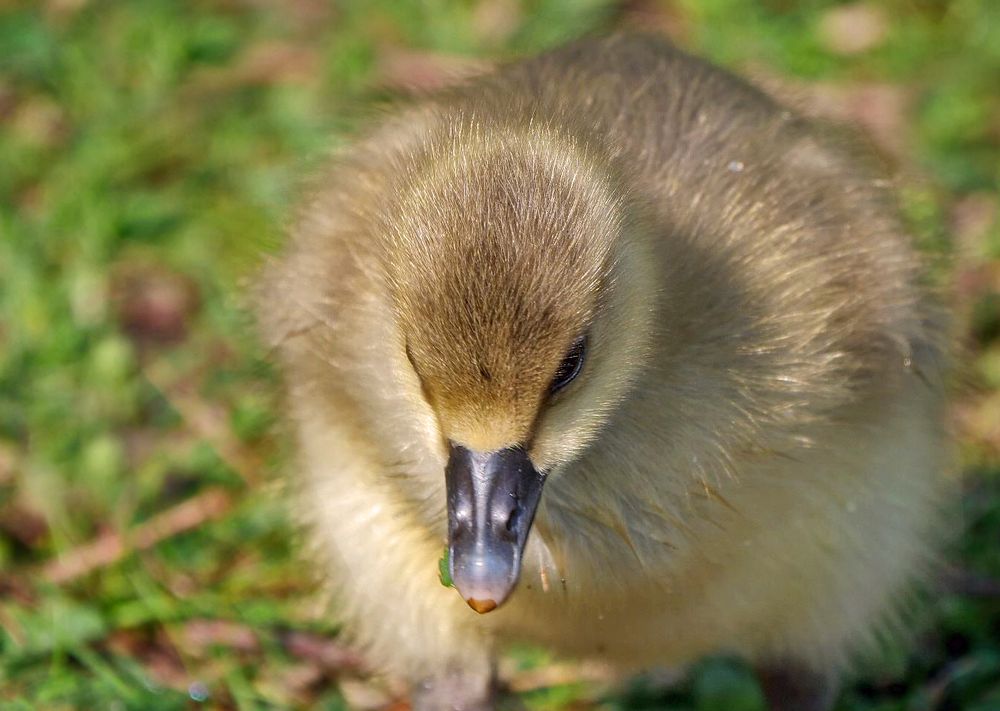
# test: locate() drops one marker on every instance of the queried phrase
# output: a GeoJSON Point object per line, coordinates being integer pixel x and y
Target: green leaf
{"type": "Point", "coordinates": [444, 574]}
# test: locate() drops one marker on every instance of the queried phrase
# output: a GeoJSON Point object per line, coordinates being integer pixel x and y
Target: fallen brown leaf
{"type": "Point", "coordinates": [658, 16]}
{"type": "Point", "coordinates": [17, 588]}
{"type": "Point", "coordinates": [880, 110]}
{"type": "Point", "coordinates": [306, 16]}
{"type": "Point", "coordinates": [976, 423]}
{"type": "Point", "coordinates": [199, 636]}
{"type": "Point", "coordinates": [971, 218]}
{"type": "Point", "coordinates": [8, 455]}
{"type": "Point", "coordinates": [411, 71]}
{"type": "Point", "coordinates": [494, 21]}
{"type": "Point", "coordinates": [23, 524]}
{"type": "Point", "coordinates": [329, 654]}
{"type": "Point", "coordinates": [63, 10]}
{"type": "Point", "coordinates": [154, 305]}
{"type": "Point", "coordinates": [278, 63]}
{"type": "Point", "coordinates": [853, 29]}
{"type": "Point", "coordinates": [525, 680]}
{"type": "Point", "coordinates": [40, 121]}
{"type": "Point", "coordinates": [296, 680]}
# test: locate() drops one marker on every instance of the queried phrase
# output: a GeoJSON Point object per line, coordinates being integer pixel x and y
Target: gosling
{"type": "Point", "coordinates": [646, 352]}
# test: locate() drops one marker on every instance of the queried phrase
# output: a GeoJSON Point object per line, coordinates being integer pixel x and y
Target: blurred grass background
{"type": "Point", "coordinates": [149, 154]}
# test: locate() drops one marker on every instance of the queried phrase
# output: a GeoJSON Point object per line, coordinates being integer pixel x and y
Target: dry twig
{"type": "Point", "coordinates": [111, 547]}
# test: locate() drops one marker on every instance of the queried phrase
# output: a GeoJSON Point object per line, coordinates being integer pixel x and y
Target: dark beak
{"type": "Point", "coordinates": [492, 500]}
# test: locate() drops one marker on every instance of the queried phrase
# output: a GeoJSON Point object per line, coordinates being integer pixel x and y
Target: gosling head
{"type": "Point", "coordinates": [523, 296]}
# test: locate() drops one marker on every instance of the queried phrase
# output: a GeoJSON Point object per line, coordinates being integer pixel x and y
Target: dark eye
{"type": "Point", "coordinates": [570, 366]}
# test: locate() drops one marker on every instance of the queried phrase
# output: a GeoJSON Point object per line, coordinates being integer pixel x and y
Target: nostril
{"type": "Point", "coordinates": [461, 517]}
{"type": "Point", "coordinates": [512, 519]}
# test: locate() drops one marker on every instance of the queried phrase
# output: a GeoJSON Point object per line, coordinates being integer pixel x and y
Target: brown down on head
{"type": "Point", "coordinates": [502, 251]}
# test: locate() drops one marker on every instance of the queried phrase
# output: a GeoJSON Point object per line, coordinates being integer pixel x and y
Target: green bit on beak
{"type": "Point", "coordinates": [444, 575]}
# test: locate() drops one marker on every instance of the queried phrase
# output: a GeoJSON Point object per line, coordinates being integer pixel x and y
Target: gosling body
{"type": "Point", "coordinates": [750, 458]}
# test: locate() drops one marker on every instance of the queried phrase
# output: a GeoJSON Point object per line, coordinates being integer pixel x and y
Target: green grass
{"type": "Point", "coordinates": [149, 154]}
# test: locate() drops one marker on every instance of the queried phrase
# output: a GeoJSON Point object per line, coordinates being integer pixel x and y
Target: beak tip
{"type": "Point", "coordinates": [482, 606]}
